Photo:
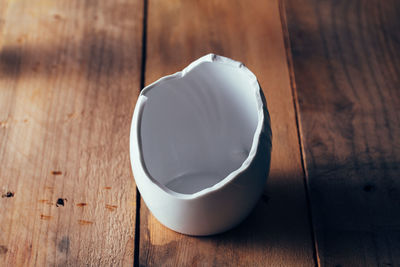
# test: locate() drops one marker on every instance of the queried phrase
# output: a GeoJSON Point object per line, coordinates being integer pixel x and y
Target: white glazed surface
{"type": "Point", "coordinates": [200, 146]}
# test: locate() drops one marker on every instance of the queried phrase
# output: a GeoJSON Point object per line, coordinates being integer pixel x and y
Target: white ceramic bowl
{"type": "Point", "coordinates": [200, 146]}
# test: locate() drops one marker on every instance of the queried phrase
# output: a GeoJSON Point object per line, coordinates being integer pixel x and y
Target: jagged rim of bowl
{"type": "Point", "coordinates": [135, 131]}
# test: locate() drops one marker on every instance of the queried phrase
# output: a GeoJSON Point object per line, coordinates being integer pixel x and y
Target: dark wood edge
{"type": "Point", "coordinates": [142, 85]}
{"type": "Point", "coordinates": [289, 61]}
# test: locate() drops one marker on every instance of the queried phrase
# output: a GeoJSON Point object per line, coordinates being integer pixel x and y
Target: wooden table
{"type": "Point", "coordinates": [71, 71]}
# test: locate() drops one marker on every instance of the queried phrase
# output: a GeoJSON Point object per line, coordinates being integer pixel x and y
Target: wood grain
{"type": "Point", "coordinates": [277, 233]}
{"type": "Point", "coordinates": [69, 79]}
{"type": "Point", "coordinates": [346, 57]}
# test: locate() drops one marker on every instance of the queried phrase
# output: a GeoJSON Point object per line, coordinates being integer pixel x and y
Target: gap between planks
{"type": "Point", "coordinates": [292, 77]}
{"type": "Point", "coordinates": [142, 84]}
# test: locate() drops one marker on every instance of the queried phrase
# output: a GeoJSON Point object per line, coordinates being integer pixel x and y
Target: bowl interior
{"type": "Point", "coordinates": [197, 129]}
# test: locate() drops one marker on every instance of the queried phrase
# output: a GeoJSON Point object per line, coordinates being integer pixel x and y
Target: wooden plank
{"type": "Point", "coordinates": [69, 79]}
{"type": "Point", "coordinates": [277, 233]}
{"type": "Point", "coordinates": [346, 62]}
